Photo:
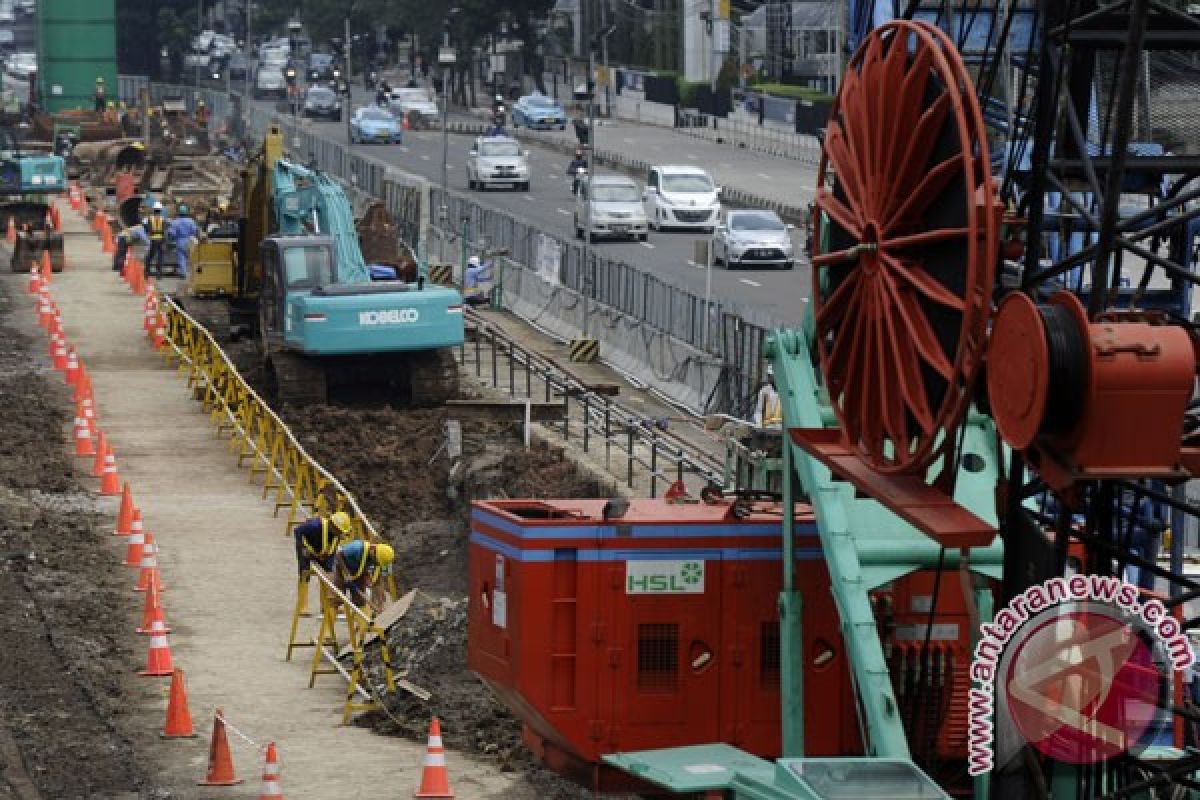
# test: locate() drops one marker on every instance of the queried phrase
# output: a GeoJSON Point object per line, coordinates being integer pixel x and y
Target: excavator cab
{"type": "Point", "coordinates": [291, 264]}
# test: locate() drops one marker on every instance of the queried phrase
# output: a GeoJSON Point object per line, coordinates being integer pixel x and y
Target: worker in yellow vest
{"type": "Point", "coordinates": [768, 410]}
{"type": "Point", "coordinates": [359, 568]}
{"type": "Point", "coordinates": [156, 231]}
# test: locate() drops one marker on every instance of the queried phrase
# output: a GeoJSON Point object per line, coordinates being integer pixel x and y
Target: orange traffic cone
{"type": "Point", "coordinates": [110, 482]}
{"type": "Point", "coordinates": [220, 764]}
{"type": "Point", "coordinates": [435, 781]}
{"type": "Point", "coordinates": [83, 389]}
{"type": "Point", "coordinates": [272, 787]}
{"type": "Point", "coordinates": [89, 412]}
{"type": "Point", "coordinates": [160, 332]}
{"type": "Point", "coordinates": [137, 541]}
{"type": "Point", "coordinates": [60, 354]}
{"type": "Point", "coordinates": [158, 659]}
{"type": "Point", "coordinates": [179, 718]}
{"type": "Point", "coordinates": [149, 573]}
{"type": "Point", "coordinates": [45, 310]}
{"type": "Point", "coordinates": [149, 313]}
{"type": "Point", "coordinates": [47, 267]}
{"type": "Point", "coordinates": [153, 620]}
{"type": "Point", "coordinates": [83, 441]}
{"type": "Point", "coordinates": [125, 514]}
{"type": "Point", "coordinates": [72, 371]}
{"type": "Point", "coordinates": [35, 280]}
{"type": "Point", "coordinates": [10, 235]}
{"type": "Point", "coordinates": [101, 451]}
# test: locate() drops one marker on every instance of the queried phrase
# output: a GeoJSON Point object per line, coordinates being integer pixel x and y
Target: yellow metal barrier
{"type": "Point", "coordinates": [266, 447]}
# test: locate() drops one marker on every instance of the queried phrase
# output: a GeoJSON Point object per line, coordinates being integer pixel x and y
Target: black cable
{"type": "Point", "coordinates": [922, 668]}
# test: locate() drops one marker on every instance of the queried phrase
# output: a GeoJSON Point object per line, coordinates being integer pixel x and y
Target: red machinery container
{"type": "Point", "coordinates": [656, 629]}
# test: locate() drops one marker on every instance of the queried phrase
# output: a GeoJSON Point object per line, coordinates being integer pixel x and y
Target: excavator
{"type": "Point", "coordinates": [328, 327]}
{"type": "Point", "coordinates": [27, 178]}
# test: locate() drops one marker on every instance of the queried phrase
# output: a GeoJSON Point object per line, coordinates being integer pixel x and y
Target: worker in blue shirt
{"type": "Point", "coordinates": [317, 541]}
{"type": "Point", "coordinates": [358, 568]}
{"type": "Point", "coordinates": [134, 233]}
{"type": "Point", "coordinates": [183, 234]}
{"type": "Point", "coordinates": [477, 281]}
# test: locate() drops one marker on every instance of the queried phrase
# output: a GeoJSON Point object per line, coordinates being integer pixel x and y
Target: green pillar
{"type": "Point", "coordinates": [791, 651]}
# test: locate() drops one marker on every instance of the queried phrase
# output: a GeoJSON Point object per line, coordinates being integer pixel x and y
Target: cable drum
{"type": "Point", "coordinates": [1068, 368]}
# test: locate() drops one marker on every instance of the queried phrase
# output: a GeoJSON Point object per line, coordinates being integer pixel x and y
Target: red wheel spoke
{"type": "Point", "coordinates": [909, 98]}
{"type": "Point", "coordinates": [924, 238]}
{"type": "Point", "coordinates": [894, 65]}
{"type": "Point", "coordinates": [912, 384]}
{"type": "Point", "coordinates": [844, 217]}
{"type": "Point", "coordinates": [858, 136]}
{"type": "Point", "coordinates": [849, 325]}
{"type": "Point", "coordinates": [915, 276]}
{"type": "Point", "coordinates": [836, 257]}
{"type": "Point", "coordinates": [923, 193]}
{"type": "Point", "coordinates": [920, 331]}
{"type": "Point", "coordinates": [873, 394]}
{"type": "Point", "coordinates": [849, 177]}
{"type": "Point", "coordinates": [839, 303]}
{"type": "Point", "coordinates": [922, 137]}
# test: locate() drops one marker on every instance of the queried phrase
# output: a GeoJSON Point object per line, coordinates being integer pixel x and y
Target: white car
{"type": "Point", "coordinates": [616, 208]}
{"type": "Point", "coordinates": [22, 65]}
{"type": "Point", "coordinates": [497, 161]}
{"type": "Point", "coordinates": [681, 197]}
{"type": "Point", "coordinates": [270, 83]}
{"type": "Point", "coordinates": [753, 238]}
{"type": "Point", "coordinates": [405, 101]}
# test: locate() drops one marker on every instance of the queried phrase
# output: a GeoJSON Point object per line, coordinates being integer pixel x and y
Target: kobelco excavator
{"type": "Point", "coordinates": [296, 277]}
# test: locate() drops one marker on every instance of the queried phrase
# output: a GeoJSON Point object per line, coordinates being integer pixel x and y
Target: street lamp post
{"type": "Point", "coordinates": [588, 263]}
{"type": "Point", "coordinates": [446, 60]}
{"type": "Point", "coordinates": [349, 83]}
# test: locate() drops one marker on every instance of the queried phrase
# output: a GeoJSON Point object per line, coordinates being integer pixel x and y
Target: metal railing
{"type": "Point", "coordinates": [643, 449]}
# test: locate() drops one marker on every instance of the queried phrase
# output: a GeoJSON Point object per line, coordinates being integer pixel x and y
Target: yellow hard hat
{"type": "Point", "coordinates": [384, 556]}
{"type": "Point", "coordinates": [341, 521]}
{"type": "Point", "coordinates": [139, 146]}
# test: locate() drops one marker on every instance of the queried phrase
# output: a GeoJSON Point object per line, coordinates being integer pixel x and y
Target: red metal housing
{"type": "Point", "coordinates": [601, 638]}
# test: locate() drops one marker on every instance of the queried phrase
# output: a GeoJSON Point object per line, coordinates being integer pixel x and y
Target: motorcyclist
{"type": "Point", "coordinates": [579, 162]}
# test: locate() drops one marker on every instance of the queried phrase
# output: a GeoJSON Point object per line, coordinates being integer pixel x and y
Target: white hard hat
{"type": "Point", "coordinates": [770, 371]}
{"type": "Point", "coordinates": [473, 261]}
{"type": "Point", "coordinates": [158, 206]}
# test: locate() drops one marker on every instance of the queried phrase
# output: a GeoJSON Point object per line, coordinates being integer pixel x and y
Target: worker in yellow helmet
{"type": "Point", "coordinates": [317, 540]}
{"type": "Point", "coordinates": [359, 568]}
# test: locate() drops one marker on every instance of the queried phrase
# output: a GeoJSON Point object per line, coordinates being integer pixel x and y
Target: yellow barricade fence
{"type": "Point", "coordinates": [291, 478]}
{"type": "Point", "coordinates": [360, 625]}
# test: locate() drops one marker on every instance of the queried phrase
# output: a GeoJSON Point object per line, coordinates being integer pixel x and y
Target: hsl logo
{"type": "Point", "coordinates": [664, 577]}
{"type": "Point", "coordinates": [393, 316]}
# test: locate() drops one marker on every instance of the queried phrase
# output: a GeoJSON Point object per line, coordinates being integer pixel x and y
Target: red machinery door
{"type": "Point", "coordinates": [669, 672]}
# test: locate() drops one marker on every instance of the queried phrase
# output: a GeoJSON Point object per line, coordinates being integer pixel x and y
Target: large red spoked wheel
{"type": "Point", "coordinates": [906, 243]}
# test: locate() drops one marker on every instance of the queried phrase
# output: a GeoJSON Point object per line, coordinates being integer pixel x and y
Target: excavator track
{"type": "Point", "coordinates": [211, 312]}
{"type": "Point", "coordinates": [294, 380]}
{"type": "Point", "coordinates": [434, 377]}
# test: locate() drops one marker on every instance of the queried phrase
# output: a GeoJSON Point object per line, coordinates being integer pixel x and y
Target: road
{"type": "Point", "coordinates": [549, 205]}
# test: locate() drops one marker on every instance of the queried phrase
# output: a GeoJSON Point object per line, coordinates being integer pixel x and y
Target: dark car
{"type": "Point", "coordinates": [320, 67]}
{"type": "Point", "coordinates": [321, 101]}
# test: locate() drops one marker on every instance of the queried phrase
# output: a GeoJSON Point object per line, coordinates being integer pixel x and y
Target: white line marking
{"type": "Point", "coordinates": [647, 245]}
{"type": "Point", "coordinates": [563, 211]}
{"type": "Point", "coordinates": [529, 197]}
{"type": "Point", "coordinates": [692, 156]}
{"type": "Point", "coordinates": [424, 157]}
{"type": "Point", "coordinates": [764, 177]}
{"type": "Point", "coordinates": [749, 282]}
{"type": "Point", "coordinates": [628, 140]}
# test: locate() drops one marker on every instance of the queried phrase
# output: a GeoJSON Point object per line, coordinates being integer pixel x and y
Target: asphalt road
{"type": "Point", "coordinates": [549, 205]}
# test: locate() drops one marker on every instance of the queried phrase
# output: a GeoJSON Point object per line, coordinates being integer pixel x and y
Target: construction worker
{"type": "Point", "coordinates": [124, 239]}
{"type": "Point", "coordinates": [358, 567]}
{"type": "Point", "coordinates": [317, 541]}
{"type": "Point", "coordinates": [156, 228]}
{"type": "Point", "coordinates": [183, 232]}
{"type": "Point", "coordinates": [100, 99]}
{"type": "Point", "coordinates": [477, 281]}
{"type": "Point", "coordinates": [768, 411]}
{"type": "Point", "coordinates": [201, 114]}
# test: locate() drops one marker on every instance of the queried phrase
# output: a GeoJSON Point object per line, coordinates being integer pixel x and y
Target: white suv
{"type": "Point", "coordinates": [681, 197]}
{"type": "Point", "coordinates": [497, 161]}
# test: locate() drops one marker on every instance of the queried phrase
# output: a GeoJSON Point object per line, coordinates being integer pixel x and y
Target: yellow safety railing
{"type": "Point", "coordinates": [262, 443]}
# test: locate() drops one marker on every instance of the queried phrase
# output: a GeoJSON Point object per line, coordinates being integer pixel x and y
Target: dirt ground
{"type": "Point", "coordinates": [67, 658]}
{"type": "Point", "coordinates": [393, 462]}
